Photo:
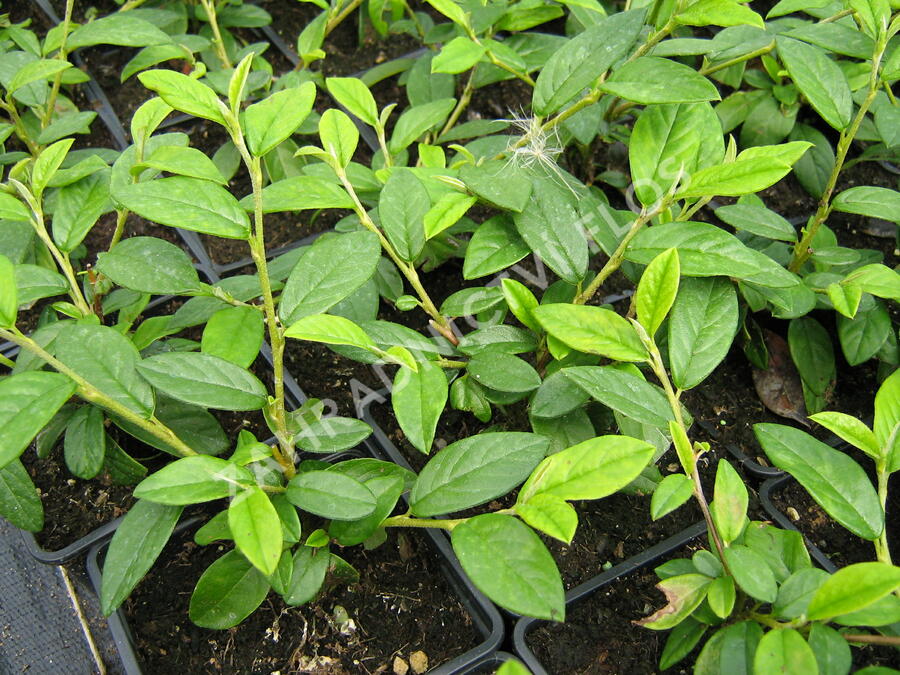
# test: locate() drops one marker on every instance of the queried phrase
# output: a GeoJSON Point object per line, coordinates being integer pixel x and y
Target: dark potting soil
{"type": "Point", "coordinates": [840, 545]}
{"type": "Point", "coordinates": [401, 605]}
{"type": "Point", "coordinates": [727, 400]}
{"type": "Point", "coordinates": [600, 638]}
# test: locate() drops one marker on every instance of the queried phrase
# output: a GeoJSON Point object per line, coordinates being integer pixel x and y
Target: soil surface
{"type": "Point", "coordinates": [402, 604]}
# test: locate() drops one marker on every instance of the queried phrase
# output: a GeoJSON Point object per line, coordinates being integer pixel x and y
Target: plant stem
{"type": "Point", "coordinates": [10, 108]}
{"type": "Point", "coordinates": [448, 363]}
{"type": "Point", "coordinates": [285, 452]}
{"type": "Point", "coordinates": [210, 8]}
{"type": "Point", "coordinates": [343, 14]}
{"type": "Point", "coordinates": [802, 250]}
{"type": "Point", "coordinates": [888, 640]}
{"type": "Point", "coordinates": [9, 363]}
{"type": "Point", "coordinates": [710, 68]}
{"type": "Point", "coordinates": [131, 4]}
{"type": "Point", "coordinates": [90, 393]}
{"type": "Point", "coordinates": [407, 521]}
{"type": "Point", "coordinates": [659, 369]}
{"type": "Point", "coordinates": [882, 547]}
{"type": "Point", "coordinates": [61, 55]}
{"type": "Point", "coordinates": [463, 102]}
{"type": "Point", "coordinates": [62, 259]}
{"type": "Point", "coordinates": [615, 260]}
{"type": "Point", "coordinates": [439, 321]}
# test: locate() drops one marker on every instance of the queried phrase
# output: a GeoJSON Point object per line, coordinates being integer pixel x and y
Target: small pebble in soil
{"type": "Point", "coordinates": [793, 514]}
{"type": "Point", "coordinates": [401, 667]}
{"type": "Point", "coordinates": [419, 662]}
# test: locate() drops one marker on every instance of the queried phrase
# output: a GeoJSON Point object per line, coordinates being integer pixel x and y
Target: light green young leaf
{"type": "Point", "coordinates": [850, 429]}
{"type": "Point", "coordinates": [887, 419]}
{"type": "Point", "coordinates": [183, 162]}
{"type": "Point", "coordinates": [457, 56]}
{"type": "Point", "coordinates": [234, 334]}
{"type": "Point", "coordinates": [193, 480]}
{"type": "Point", "coordinates": [9, 304]}
{"type": "Point", "coordinates": [184, 93]}
{"type": "Point", "coordinates": [272, 120]}
{"type": "Point", "coordinates": [339, 136]}
{"type": "Point", "coordinates": [551, 515]}
{"type": "Point", "coordinates": [418, 399]}
{"type": "Point", "coordinates": [331, 330]}
{"type": "Point", "coordinates": [592, 330]}
{"type": "Point", "coordinates": [331, 495]}
{"type": "Point", "coordinates": [657, 290]}
{"type": "Point", "coordinates": [256, 528]}
{"type": "Point", "coordinates": [853, 588]}
{"type": "Point", "coordinates": [784, 651]}
{"type": "Point", "coordinates": [674, 490]}
{"type": "Point", "coordinates": [729, 508]}
{"type": "Point", "coordinates": [718, 13]}
{"type": "Point", "coordinates": [402, 208]}
{"type": "Point", "coordinates": [866, 200]}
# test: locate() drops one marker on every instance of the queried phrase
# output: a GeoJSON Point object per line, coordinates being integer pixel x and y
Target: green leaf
{"type": "Point", "coordinates": [256, 528]}
{"type": "Point", "coordinates": [273, 120]}
{"type": "Point", "coordinates": [402, 208]}
{"type": "Point", "coordinates": [110, 364]}
{"type": "Point", "coordinates": [228, 592]}
{"type": "Point", "coordinates": [194, 425]}
{"type": "Point", "coordinates": [188, 203]}
{"type": "Point", "coordinates": [729, 508]}
{"type": "Point", "coordinates": [718, 13]}
{"type": "Point", "coordinates": [502, 184]}
{"type": "Point", "coordinates": [757, 220]}
{"type": "Point", "coordinates": [182, 161]}
{"type": "Point", "coordinates": [624, 392]}
{"type": "Point", "coordinates": [657, 289]}
{"type": "Point", "coordinates": [332, 434]}
{"type": "Point", "coordinates": [684, 594]}
{"type": "Point", "coordinates": [670, 139]}
{"type": "Point", "coordinates": [494, 246]}
{"type": "Point", "coordinates": [150, 265]}
{"type": "Point", "coordinates": [339, 136]}
{"type": "Point", "coordinates": [876, 279]}
{"type": "Point", "coordinates": [193, 480]}
{"type": "Point", "coordinates": [332, 330]}
{"type": "Point", "coordinates": [298, 193]}
{"type": "Point", "coordinates": [521, 302]}
{"type": "Point", "coordinates": [837, 483]}
{"type": "Point", "coordinates": [355, 96]}
{"type": "Point", "coordinates": [418, 120]}
{"type": "Point", "coordinates": [126, 30]}
{"type": "Point", "coordinates": [721, 596]}
{"type": "Point", "coordinates": [592, 330]}
{"type": "Point", "coordinates": [42, 69]}
{"type": "Point", "coordinates": [551, 228]}
{"type": "Point", "coordinates": [820, 80]}
{"type": "Point", "coordinates": [832, 651]}
{"type": "Point", "coordinates": [309, 568]}
{"type": "Point", "coordinates": [674, 490]}
{"type": "Point", "coordinates": [702, 326]}
{"type": "Point", "coordinates": [743, 176]}
{"type": "Point", "coordinates": [503, 338]}
{"type": "Point", "coordinates": [853, 588]}
{"type": "Point", "coordinates": [418, 399]}
{"type": "Point", "coordinates": [651, 79]}
{"type": "Point", "coordinates": [590, 470]}
{"type": "Point", "coordinates": [184, 93]}
{"type": "Point", "coordinates": [812, 353]}
{"type": "Point", "coordinates": [751, 573]}
{"type": "Point", "coordinates": [705, 250]}
{"type": "Point", "coordinates": [503, 372]}
{"type": "Point", "coordinates": [474, 471]}
{"type": "Point", "coordinates": [887, 417]}
{"type": "Point", "coordinates": [584, 58]}
{"type": "Point", "coordinates": [204, 380]}
{"type": "Point", "coordinates": [78, 206]}
{"type": "Point", "coordinates": [866, 200]}
{"type": "Point", "coordinates": [815, 167]}
{"type": "Point", "coordinates": [784, 651]}
{"type": "Point", "coordinates": [331, 270]}
{"type": "Point", "coordinates": [234, 334]}
{"type": "Point", "coordinates": [47, 163]}
{"type": "Point", "coordinates": [471, 301]}
{"type": "Point", "coordinates": [85, 442]}
{"type": "Point", "coordinates": [862, 336]}
{"type": "Point", "coordinates": [457, 56]}
{"type": "Point", "coordinates": [137, 543]}
{"type": "Point", "coordinates": [34, 282]}
{"type": "Point", "coordinates": [681, 641]}
{"type": "Point", "coordinates": [12, 209]}
{"type": "Point", "coordinates": [331, 495]}
{"type": "Point", "coordinates": [507, 562]}
{"type": "Point", "coordinates": [446, 212]}
{"type": "Point", "coordinates": [9, 304]}
{"type": "Point", "coordinates": [730, 650]}
{"type": "Point", "coordinates": [20, 502]}
{"type": "Point", "coordinates": [551, 515]}
{"type": "Point", "coordinates": [796, 591]}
